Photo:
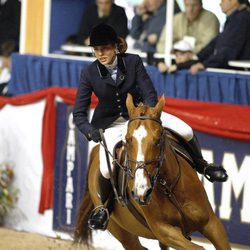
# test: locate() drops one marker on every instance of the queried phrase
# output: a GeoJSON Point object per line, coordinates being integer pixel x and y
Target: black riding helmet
{"type": "Point", "coordinates": [102, 34]}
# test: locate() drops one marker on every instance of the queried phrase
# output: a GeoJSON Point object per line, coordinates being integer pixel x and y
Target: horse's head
{"type": "Point", "coordinates": [145, 148]}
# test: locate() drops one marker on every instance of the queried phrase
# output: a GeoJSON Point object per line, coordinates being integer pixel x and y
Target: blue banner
{"type": "Point", "coordinates": [231, 199]}
{"type": "Point", "coordinates": [71, 156]}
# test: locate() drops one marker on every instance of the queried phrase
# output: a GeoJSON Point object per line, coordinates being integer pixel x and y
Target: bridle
{"type": "Point", "coordinates": [143, 164]}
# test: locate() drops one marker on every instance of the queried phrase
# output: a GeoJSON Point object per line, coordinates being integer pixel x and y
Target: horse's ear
{"type": "Point", "coordinates": [130, 104]}
{"type": "Point", "coordinates": [160, 105]}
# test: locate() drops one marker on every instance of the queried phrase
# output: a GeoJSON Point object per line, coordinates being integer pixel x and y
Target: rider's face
{"type": "Point", "coordinates": [105, 53]}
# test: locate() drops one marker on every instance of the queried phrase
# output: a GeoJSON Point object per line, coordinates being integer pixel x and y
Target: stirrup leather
{"type": "Point", "coordinates": [95, 211]}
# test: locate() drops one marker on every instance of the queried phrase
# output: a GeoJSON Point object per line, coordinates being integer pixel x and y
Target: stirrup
{"type": "Point", "coordinates": [95, 211]}
{"type": "Point", "coordinates": [208, 177]}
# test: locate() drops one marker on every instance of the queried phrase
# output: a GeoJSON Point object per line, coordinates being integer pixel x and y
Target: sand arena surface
{"type": "Point", "coordinates": [14, 240]}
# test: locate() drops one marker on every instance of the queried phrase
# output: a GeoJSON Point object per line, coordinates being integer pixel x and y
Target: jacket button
{"type": "Point", "coordinates": [119, 106]}
{"type": "Point", "coordinates": [117, 93]}
{"type": "Point", "coordinates": [120, 114]}
{"type": "Point", "coordinates": [118, 100]}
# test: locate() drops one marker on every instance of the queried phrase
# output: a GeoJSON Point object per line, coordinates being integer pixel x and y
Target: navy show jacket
{"type": "Point", "coordinates": [131, 78]}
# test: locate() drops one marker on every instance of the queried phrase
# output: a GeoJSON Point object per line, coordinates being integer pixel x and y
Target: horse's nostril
{"type": "Point", "coordinates": [133, 193]}
{"type": "Point", "coordinates": [148, 192]}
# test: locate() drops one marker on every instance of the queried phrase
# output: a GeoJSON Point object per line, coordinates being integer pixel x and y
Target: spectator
{"type": "Point", "coordinates": [148, 22]}
{"type": "Point", "coordinates": [232, 43]}
{"type": "Point", "coordinates": [193, 23]}
{"type": "Point", "coordinates": [5, 65]}
{"type": "Point", "coordinates": [183, 52]}
{"type": "Point", "coordinates": [103, 11]}
{"type": "Point", "coordinates": [9, 21]}
{"type": "Point", "coordinates": [244, 4]}
{"type": "Point", "coordinates": [245, 55]}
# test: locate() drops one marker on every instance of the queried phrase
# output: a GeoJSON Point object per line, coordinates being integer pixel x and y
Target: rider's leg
{"type": "Point", "coordinates": [211, 171]}
{"type": "Point", "coordinates": [100, 215]}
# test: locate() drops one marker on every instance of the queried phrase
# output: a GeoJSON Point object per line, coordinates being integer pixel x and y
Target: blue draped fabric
{"type": "Point", "coordinates": [31, 73]}
{"type": "Point", "coordinates": [204, 86]}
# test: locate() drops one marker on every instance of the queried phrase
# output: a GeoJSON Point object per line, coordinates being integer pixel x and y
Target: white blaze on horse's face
{"type": "Point", "coordinates": [140, 183]}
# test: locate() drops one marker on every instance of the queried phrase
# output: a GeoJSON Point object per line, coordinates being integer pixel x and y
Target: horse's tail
{"type": "Point", "coordinates": [82, 233]}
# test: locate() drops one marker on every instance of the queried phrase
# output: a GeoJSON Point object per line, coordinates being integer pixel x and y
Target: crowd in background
{"type": "Point", "coordinates": [195, 30]}
{"type": "Point", "coordinates": [197, 42]}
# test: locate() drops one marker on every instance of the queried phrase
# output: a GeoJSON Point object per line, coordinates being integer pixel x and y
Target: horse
{"type": "Point", "coordinates": [163, 187]}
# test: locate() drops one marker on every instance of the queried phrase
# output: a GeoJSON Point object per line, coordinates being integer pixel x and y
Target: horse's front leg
{"type": "Point", "coordinates": [172, 237]}
{"type": "Point", "coordinates": [128, 240]}
{"type": "Point", "coordinates": [215, 232]}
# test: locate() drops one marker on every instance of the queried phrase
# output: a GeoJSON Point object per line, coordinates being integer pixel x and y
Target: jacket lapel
{"type": "Point", "coordinates": [104, 74]}
{"type": "Point", "coordinates": [121, 71]}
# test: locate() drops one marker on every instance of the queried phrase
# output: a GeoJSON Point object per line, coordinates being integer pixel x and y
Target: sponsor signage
{"type": "Point", "coordinates": [71, 157]}
{"type": "Point", "coordinates": [231, 199]}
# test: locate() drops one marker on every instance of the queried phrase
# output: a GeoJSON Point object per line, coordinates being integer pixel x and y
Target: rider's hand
{"type": "Point", "coordinates": [95, 135]}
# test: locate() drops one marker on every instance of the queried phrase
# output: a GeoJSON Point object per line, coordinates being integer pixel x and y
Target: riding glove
{"type": "Point", "coordinates": [95, 135]}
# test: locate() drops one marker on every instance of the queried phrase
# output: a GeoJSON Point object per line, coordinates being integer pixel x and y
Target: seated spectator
{"type": "Point", "coordinates": [5, 65]}
{"type": "Point", "coordinates": [9, 21]}
{"type": "Point", "coordinates": [103, 11]}
{"type": "Point", "coordinates": [244, 4]}
{"type": "Point", "coordinates": [195, 22]}
{"type": "Point", "coordinates": [245, 55]}
{"type": "Point", "coordinates": [232, 43]}
{"type": "Point", "coordinates": [183, 52]}
{"type": "Point", "coordinates": [147, 24]}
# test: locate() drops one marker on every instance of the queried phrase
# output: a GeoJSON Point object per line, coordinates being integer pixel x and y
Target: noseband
{"type": "Point", "coordinates": [143, 164]}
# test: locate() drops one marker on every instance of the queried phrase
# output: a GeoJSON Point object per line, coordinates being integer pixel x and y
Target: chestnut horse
{"type": "Point", "coordinates": [163, 187]}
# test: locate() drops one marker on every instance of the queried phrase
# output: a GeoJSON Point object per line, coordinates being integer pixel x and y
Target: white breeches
{"type": "Point", "coordinates": [118, 129]}
{"type": "Point", "coordinates": [112, 135]}
{"type": "Point", "coordinates": [177, 125]}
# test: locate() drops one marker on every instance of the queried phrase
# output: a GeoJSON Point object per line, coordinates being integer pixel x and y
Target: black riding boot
{"type": "Point", "coordinates": [211, 171]}
{"type": "Point", "coordinates": [100, 215]}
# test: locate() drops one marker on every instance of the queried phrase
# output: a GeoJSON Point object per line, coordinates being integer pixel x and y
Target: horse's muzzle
{"type": "Point", "coordinates": [142, 200]}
